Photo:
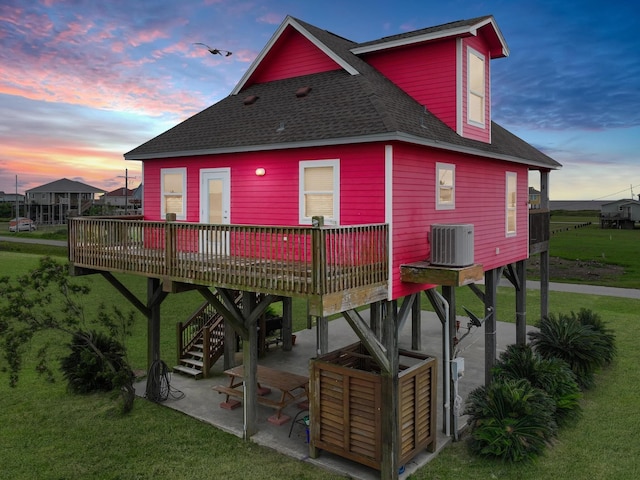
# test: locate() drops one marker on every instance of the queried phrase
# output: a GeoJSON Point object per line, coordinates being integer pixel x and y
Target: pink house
{"type": "Point", "coordinates": [344, 156]}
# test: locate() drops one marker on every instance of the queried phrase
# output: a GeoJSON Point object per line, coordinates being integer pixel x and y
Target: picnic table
{"type": "Point", "coordinates": [291, 387]}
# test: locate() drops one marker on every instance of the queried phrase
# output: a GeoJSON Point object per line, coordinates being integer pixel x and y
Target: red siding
{"type": "Point", "coordinates": [426, 72]}
{"type": "Point", "coordinates": [273, 198]}
{"type": "Point", "coordinates": [292, 56]}
{"type": "Point", "coordinates": [480, 200]}
{"type": "Point", "coordinates": [468, 130]}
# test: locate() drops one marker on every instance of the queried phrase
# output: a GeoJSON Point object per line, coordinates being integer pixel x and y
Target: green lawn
{"type": "Point", "coordinates": [46, 433]}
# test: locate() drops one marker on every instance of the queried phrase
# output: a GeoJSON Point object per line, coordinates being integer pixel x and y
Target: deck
{"type": "Point", "coordinates": [334, 268]}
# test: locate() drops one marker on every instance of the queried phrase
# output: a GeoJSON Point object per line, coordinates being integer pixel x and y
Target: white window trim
{"type": "Point", "coordinates": [448, 205]}
{"type": "Point", "coordinates": [509, 208]}
{"type": "Point", "coordinates": [470, 52]}
{"type": "Point", "coordinates": [335, 163]}
{"type": "Point", "coordinates": [182, 171]}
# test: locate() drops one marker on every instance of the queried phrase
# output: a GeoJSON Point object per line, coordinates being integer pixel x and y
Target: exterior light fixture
{"type": "Point", "coordinates": [260, 172]}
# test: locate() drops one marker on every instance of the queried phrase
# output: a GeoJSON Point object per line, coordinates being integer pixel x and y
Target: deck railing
{"type": "Point", "coordinates": [298, 261]}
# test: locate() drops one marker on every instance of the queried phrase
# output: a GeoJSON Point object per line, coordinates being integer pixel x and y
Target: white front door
{"type": "Point", "coordinates": [215, 201]}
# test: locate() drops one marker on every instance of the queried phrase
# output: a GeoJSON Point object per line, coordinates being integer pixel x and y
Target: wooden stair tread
{"type": "Point", "coordinates": [187, 370]}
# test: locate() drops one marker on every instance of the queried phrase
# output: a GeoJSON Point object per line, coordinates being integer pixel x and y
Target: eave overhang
{"type": "Point", "coordinates": [382, 137]}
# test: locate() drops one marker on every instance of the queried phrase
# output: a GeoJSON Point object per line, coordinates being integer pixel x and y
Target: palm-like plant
{"type": "Point", "coordinates": [550, 375]}
{"type": "Point", "coordinates": [510, 420]}
{"type": "Point", "coordinates": [581, 346]}
{"type": "Point", "coordinates": [589, 317]}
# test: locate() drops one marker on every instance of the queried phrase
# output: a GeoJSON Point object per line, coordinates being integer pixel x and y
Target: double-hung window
{"type": "Point", "coordinates": [445, 186]}
{"type": "Point", "coordinates": [320, 191]}
{"type": "Point", "coordinates": [174, 192]}
{"type": "Point", "coordinates": [511, 207]}
{"type": "Point", "coordinates": [476, 87]}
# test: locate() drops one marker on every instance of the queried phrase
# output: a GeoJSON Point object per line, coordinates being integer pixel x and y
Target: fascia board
{"type": "Point", "coordinates": [382, 137]}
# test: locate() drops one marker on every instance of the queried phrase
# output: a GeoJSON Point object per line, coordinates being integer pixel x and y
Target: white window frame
{"type": "Point", "coordinates": [335, 164]}
{"type": "Point", "coordinates": [511, 203]}
{"type": "Point", "coordinates": [440, 204]}
{"type": "Point", "coordinates": [182, 215]}
{"type": "Point", "coordinates": [471, 93]}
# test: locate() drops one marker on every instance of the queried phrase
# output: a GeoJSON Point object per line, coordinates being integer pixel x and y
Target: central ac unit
{"type": "Point", "coordinates": [452, 245]}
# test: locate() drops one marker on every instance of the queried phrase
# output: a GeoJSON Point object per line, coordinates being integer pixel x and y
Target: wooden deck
{"type": "Point", "coordinates": [335, 268]}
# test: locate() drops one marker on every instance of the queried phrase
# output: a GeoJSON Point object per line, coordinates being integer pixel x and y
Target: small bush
{"type": "Point", "coordinates": [96, 363]}
{"type": "Point", "coordinates": [583, 347]}
{"type": "Point", "coordinates": [550, 375]}
{"type": "Point", "coordinates": [592, 319]}
{"type": "Point", "coordinates": [510, 420]}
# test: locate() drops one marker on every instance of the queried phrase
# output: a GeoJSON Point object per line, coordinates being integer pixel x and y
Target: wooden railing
{"type": "Point", "coordinates": [293, 261]}
{"type": "Point", "coordinates": [539, 233]}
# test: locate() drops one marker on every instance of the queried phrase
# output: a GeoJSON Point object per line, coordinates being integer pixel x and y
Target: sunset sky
{"type": "Point", "coordinates": [83, 82]}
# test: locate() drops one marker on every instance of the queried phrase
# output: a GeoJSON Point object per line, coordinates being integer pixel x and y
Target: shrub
{"type": "Point", "coordinates": [589, 317]}
{"type": "Point", "coordinates": [583, 347]}
{"type": "Point", "coordinates": [550, 375]}
{"type": "Point", "coordinates": [97, 362]}
{"type": "Point", "coordinates": [510, 420]}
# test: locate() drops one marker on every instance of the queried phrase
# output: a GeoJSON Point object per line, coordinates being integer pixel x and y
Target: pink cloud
{"type": "Point", "coordinates": [271, 18]}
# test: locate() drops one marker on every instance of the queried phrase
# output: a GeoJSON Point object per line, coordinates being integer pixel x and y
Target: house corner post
{"type": "Point", "coordinates": [491, 278]}
{"type": "Point", "coordinates": [250, 365]}
{"type": "Point", "coordinates": [390, 427]}
{"type": "Point", "coordinates": [521, 303]}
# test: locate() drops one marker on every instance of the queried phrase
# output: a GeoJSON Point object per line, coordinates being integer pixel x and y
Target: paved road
{"type": "Point", "coordinates": [42, 241]}
{"type": "Point", "coordinates": [531, 284]}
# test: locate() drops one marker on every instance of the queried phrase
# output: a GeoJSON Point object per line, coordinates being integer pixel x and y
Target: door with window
{"type": "Point", "coordinates": [215, 201]}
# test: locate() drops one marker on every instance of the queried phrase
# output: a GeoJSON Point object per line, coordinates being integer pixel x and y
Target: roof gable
{"type": "Point", "coordinates": [280, 47]}
{"type": "Point", "coordinates": [481, 25]}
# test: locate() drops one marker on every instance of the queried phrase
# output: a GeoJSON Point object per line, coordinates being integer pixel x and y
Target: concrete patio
{"type": "Point", "coordinates": [197, 399]}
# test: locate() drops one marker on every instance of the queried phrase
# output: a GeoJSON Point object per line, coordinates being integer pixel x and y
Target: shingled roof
{"type": "Point", "coordinates": [355, 104]}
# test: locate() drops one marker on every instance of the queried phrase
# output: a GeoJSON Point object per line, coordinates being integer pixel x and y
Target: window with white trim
{"type": "Point", "coordinates": [174, 188]}
{"type": "Point", "coordinates": [511, 207]}
{"type": "Point", "coordinates": [320, 191]}
{"type": "Point", "coordinates": [445, 186]}
{"type": "Point", "coordinates": [475, 87]}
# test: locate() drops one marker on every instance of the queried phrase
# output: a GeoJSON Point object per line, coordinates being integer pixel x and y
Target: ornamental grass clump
{"type": "Point", "coordinates": [510, 420]}
{"type": "Point", "coordinates": [553, 376]}
{"type": "Point", "coordinates": [586, 347]}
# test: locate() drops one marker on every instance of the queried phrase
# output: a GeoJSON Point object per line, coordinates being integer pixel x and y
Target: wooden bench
{"type": "Point", "coordinates": [238, 393]}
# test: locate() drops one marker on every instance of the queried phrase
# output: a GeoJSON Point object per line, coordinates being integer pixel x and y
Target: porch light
{"type": "Point", "coordinates": [260, 172]}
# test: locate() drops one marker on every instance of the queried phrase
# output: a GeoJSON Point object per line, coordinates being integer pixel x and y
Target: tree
{"type": "Point", "coordinates": [46, 299]}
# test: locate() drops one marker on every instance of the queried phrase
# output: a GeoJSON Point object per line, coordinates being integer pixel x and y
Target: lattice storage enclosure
{"type": "Point", "coordinates": [346, 407]}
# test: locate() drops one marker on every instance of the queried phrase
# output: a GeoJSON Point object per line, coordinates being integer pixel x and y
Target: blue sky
{"type": "Point", "coordinates": [83, 82]}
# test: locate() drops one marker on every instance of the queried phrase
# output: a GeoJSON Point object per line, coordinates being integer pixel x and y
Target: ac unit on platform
{"type": "Point", "coordinates": [452, 245]}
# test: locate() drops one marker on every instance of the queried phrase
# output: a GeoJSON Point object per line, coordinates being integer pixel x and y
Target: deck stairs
{"type": "Point", "coordinates": [201, 341]}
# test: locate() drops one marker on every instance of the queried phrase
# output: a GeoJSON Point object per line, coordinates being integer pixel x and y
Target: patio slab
{"type": "Point", "coordinates": [197, 399]}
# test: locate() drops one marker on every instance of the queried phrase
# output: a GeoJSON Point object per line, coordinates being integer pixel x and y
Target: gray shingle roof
{"type": "Point", "coordinates": [340, 108]}
{"type": "Point", "coordinates": [64, 185]}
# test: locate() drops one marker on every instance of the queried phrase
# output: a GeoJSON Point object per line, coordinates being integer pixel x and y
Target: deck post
{"type": "Point", "coordinates": [389, 466]}
{"type": "Point", "coordinates": [287, 323]}
{"type": "Point", "coordinates": [521, 303]}
{"type": "Point", "coordinates": [491, 278]}
{"type": "Point", "coordinates": [153, 322]}
{"type": "Point", "coordinates": [322, 335]}
{"type": "Point", "coordinates": [230, 342]}
{"type": "Point", "coordinates": [544, 255]}
{"type": "Point", "coordinates": [416, 325]}
{"type": "Point", "coordinates": [250, 363]}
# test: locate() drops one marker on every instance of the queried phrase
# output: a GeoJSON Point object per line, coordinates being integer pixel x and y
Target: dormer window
{"type": "Point", "coordinates": [476, 88]}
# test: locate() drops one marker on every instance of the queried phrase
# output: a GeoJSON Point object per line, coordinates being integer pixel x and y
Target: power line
{"type": "Point", "coordinates": [618, 193]}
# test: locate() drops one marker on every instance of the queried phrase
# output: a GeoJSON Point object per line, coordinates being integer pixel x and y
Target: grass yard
{"type": "Point", "coordinates": [46, 433]}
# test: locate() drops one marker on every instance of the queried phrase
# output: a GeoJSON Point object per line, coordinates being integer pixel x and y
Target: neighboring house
{"type": "Point", "coordinates": [52, 202]}
{"type": "Point", "coordinates": [534, 198]}
{"type": "Point", "coordinates": [118, 198]}
{"type": "Point", "coordinates": [11, 198]}
{"type": "Point", "coordinates": [342, 156]}
{"type": "Point", "coordinates": [620, 214]}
